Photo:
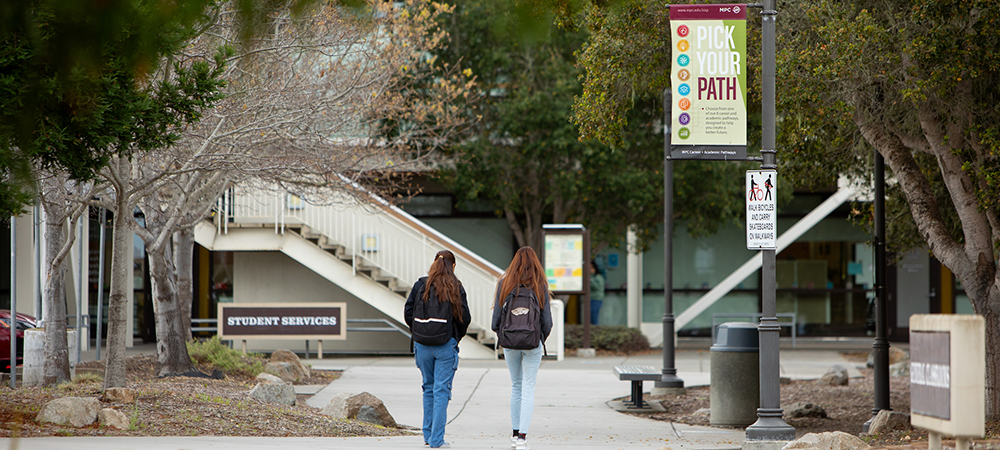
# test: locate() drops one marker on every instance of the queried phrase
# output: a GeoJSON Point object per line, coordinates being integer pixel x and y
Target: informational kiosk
{"type": "Point", "coordinates": [242, 321]}
{"type": "Point", "coordinates": [947, 377]}
{"type": "Point", "coordinates": [566, 258]}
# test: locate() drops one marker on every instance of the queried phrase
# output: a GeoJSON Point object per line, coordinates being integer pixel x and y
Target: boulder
{"type": "Point", "coordinates": [363, 406]}
{"type": "Point", "coordinates": [900, 369]}
{"type": "Point", "coordinates": [73, 411]}
{"type": "Point", "coordinates": [110, 417]}
{"type": "Point", "coordinates": [274, 393]}
{"type": "Point", "coordinates": [120, 395]}
{"type": "Point", "coordinates": [287, 356]}
{"type": "Point", "coordinates": [836, 376]}
{"type": "Point", "coordinates": [803, 409]}
{"type": "Point", "coordinates": [265, 377]}
{"type": "Point", "coordinates": [703, 412]}
{"type": "Point", "coordinates": [286, 371]}
{"type": "Point", "coordinates": [895, 355]}
{"type": "Point", "coordinates": [887, 420]}
{"type": "Point", "coordinates": [834, 440]}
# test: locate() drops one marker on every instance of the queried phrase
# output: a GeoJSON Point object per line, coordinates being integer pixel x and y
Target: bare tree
{"type": "Point", "coordinates": [63, 202]}
{"type": "Point", "coordinates": [303, 103]}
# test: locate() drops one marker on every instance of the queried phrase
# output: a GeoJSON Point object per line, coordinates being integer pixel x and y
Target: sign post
{"type": "Point", "coordinates": [566, 257]}
{"type": "Point", "coordinates": [770, 426]}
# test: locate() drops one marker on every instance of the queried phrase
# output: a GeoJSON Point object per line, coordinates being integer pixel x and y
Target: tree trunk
{"type": "Point", "coordinates": [171, 344]}
{"type": "Point", "coordinates": [55, 368]}
{"type": "Point", "coordinates": [121, 268]}
{"type": "Point", "coordinates": [992, 318]}
{"type": "Point", "coordinates": [184, 262]}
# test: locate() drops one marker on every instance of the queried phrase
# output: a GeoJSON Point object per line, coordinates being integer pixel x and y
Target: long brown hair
{"type": "Point", "coordinates": [527, 270]}
{"type": "Point", "coordinates": [446, 285]}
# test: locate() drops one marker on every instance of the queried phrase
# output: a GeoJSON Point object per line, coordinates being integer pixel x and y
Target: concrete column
{"type": "Point", "coordinates": [634, 286]}
{"type": "Point", "coordinates": [25, 273]}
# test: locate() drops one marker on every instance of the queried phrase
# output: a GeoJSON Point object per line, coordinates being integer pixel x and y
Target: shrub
{"type": "Point", "coordinates": [228, 360]}
{"type": "Point", "coordinates": [614, 339]}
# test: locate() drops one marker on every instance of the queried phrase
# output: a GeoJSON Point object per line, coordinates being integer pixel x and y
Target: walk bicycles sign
{"type": "Point", "coordinates": [762, 214]}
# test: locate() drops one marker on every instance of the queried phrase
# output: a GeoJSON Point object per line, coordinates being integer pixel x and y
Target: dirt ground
{"type": "Point", "coordinates": [847, 408]}
{"type": "Point", "coordinates": [180, 406]}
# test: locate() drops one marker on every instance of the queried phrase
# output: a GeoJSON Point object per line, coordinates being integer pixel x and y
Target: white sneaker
{"type": "Point", "coordinates": [513, 442]}
{"type": "Point", "coordinates": [521, 444]}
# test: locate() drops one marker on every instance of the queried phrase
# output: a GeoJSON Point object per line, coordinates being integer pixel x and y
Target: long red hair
{"type": "Point", "coordinates": [524, 269]}
{"type": "Point", "coordinates": [446, 285]}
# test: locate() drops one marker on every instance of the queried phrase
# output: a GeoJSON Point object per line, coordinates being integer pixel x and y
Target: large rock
{"type": "Point", "coordinates": [287, 356]}
{"type": "Point", "coordinates": [110, 417]}
{"type": "Point", "coordinates": [274, 393]}
{"type": "Point", "coordinates": [900, 369]}
{"type": "Point", "coordinates": [73, 411]}
{"type": "Point", "coordinates": [887, 420]}
{"type": "Point", "coordinates": [265, 377]}
{"type": "Point", "coordinates": [895, 355]}
{"type": "Point", "coordinates": [363, 406]}
{"type": "Point", "coordinates": [834, 440]}
{"type": "Point", "coordinates": [803, 409]}
{"type": "Point", "coordinates": [120, 395]}
{"type": "Point", "coordinates": [287, 371]}
{"type": "Point", "coordinates": [836, 376]}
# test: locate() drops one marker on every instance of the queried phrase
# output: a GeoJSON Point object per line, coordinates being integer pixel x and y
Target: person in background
{"type": "Point", "coordinates": [524, 273]}
{"type": "Point", "coordinates": [597, 282]}
{"type": "Point", "coordinates": [438, 363]}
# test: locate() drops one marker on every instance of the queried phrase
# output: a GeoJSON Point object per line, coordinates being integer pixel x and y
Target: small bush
{"type": "Point", "coordinates": [615, 339]}
{"type": "Point", "coordinates": [222, 357]}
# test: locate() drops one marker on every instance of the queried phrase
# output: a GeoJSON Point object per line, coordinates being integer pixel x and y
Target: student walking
{"type": "Point", "coordinates": [437, 312]}
{"type": "Point", "coordinates": [522, 320]}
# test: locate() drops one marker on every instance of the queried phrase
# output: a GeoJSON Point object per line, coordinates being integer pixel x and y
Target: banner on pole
{"type": "Point", "coordinates": [709, 82]}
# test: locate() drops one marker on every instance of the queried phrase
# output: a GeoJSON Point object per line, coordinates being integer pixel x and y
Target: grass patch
{"type": "Point", "coordinates": [230, 361]}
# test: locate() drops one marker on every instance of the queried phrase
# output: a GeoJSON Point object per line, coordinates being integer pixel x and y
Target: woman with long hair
{"type": "Point", "coordinates": [525, 274]}
{"type": "Point", "coordinates": [437, 300]}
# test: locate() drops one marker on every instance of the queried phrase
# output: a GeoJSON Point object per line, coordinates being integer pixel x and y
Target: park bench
{"type": "Point", "coordinates": [637, 374]}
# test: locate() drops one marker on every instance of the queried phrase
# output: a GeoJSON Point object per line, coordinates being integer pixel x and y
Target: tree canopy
{"type": "Point", "coordinates": [914, 80]}
{"type": "Point", "coordinates": [527, 156]}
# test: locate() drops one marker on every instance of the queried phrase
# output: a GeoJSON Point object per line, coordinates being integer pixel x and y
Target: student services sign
{"type": "Point", "coordinates": [709, 82]}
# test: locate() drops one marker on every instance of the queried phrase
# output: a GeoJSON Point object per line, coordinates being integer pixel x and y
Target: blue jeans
{"type": "Point", "coordinates": [595, 310]}
{"type": "Point", "coordinates": [523, 367]}
{"type": "Point", "coordinates": [437, 364]}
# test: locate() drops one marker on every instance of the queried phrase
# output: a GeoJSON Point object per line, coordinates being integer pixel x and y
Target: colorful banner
{"type": "Point", "coordinates": [708, 82]}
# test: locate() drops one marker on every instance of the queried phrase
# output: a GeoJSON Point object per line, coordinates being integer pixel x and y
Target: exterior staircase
{"type": "Point", "coordinates": [366, 246]}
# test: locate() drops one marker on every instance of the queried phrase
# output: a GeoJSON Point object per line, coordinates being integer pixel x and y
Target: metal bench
{"type": "Point", "coordinates": [637, 374]}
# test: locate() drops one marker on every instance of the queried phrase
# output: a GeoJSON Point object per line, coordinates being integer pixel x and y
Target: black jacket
{"type": "Point", "coordinates": [459, 328]}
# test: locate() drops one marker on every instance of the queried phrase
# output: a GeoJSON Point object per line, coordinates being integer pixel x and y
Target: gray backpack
{"type": "Point", "coordinates": [521, 320]}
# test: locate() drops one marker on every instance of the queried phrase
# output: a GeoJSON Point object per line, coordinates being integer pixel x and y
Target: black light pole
{"type": "Point", "coordinates": [880, 348]}
{"type": "Point", "coordinates": [769, 425]}
{"type": "Point", "coordinates": [669, 379]}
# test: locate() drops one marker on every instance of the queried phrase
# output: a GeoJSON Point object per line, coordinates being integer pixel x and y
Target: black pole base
{"type": "Point", "coordinates": [770, 427]}
{"type": "Point", "coordinates": [669, 381]}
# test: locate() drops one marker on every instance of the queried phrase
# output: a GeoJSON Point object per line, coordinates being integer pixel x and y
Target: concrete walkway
{"type": "Point", "coordinates": [571, 407]}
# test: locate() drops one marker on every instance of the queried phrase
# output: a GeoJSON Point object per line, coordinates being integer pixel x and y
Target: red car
{"type": "Point", "coordinates": [24, 322]}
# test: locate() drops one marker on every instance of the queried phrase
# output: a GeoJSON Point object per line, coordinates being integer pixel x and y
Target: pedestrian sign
{"type": "Point", "coordinates": [762, 214]}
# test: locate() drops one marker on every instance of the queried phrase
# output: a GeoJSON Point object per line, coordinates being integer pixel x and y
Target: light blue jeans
{"type": "Point", "coordinates": [437, 364]}
{"type": "Point", "coordinates": [523, 367]}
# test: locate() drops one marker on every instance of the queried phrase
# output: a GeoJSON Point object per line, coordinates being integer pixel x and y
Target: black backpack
{"type": "Point", "coordinates": [520, 321]}
{"type": "Point", "coordinates": [432, 319]}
